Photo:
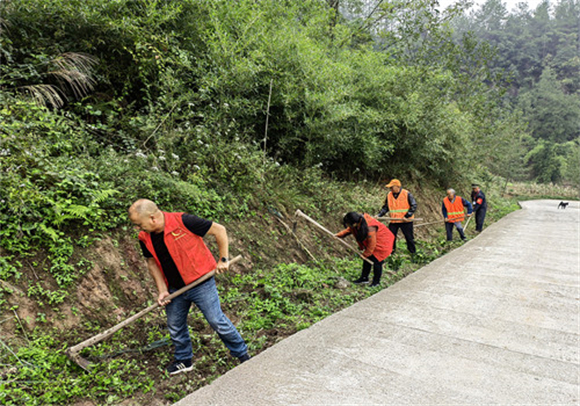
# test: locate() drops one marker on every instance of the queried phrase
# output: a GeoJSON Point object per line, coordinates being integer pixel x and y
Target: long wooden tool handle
{"type": "Point", "coordinates": [428, 224]}
{"type": "Point", "coordinates": [468, 220]}
{"type": "Point", "coordinates": [107, 333]}
{"type": "Point", "coordinates": [404, 220]}
{"type": "Point", "coordinates": [299, 213]}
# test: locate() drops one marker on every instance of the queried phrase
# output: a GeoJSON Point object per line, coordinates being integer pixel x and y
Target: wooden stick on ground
{"type": "Point", "coordinates": [299, 213]}
{"type": "Point", "coordinates": [297, 239]}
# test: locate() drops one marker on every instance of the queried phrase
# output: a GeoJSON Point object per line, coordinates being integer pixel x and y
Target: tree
{"type": "Point", "coordinates": [552, 114]}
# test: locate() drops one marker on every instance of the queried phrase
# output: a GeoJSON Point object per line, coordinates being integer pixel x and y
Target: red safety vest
{"type": "Point", "coordinates": [398, 207]}
{"type": "Point", "coordinates": [385, 239]}
{"type": "Point", "coordinates": [455, 211]}
{"type": "Point", "coordinates": [190, 254]}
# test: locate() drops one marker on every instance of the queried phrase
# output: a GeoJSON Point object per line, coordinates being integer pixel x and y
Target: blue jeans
{"type": "Point", "coordinates": [449, 230]}
{"type": "Point", "coordinates": [205, 297]}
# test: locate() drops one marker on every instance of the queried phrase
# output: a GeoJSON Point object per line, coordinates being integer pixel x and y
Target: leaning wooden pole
{"type": "Point", "coordinates": [468, 220]}
{"type": "Point", "coordinates": [299, 213]}
{"type": "Point", "coordinates": [404, 220]}
{"type": "Point", "coordinates": [431, 223]}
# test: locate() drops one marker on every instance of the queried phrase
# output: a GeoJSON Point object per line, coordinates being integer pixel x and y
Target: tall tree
{"type": "Point", "coordinates": [552, 114]}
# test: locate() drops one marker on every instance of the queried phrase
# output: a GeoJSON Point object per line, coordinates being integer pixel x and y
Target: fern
{"type": "Point", "coordinates": [100, 196]}
{"type": "Point", "coordinates": [50, 232]}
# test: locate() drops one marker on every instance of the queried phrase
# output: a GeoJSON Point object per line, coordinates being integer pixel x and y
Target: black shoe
{"type": "Point", "coordinates": [177, 367]}
{"type": "Point", "coordinates": [361, 281]}
{"type": "Point", "coordinates": [374, 284]}
{"type": "Point", "coordinates": [244, 358]}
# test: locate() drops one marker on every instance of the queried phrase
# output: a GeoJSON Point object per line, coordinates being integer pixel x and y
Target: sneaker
{"type": "Point", "coordinates": [177, 367]}
{"type": "Point", "coordinates": [374, 284]}
{"type": "Point", "coordinates": [244, 358]}
{"type": "Point", "coordinates": [361, 281]}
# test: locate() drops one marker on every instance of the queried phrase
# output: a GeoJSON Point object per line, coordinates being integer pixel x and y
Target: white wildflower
{"type": "Point", "coordinates": [174, 156]}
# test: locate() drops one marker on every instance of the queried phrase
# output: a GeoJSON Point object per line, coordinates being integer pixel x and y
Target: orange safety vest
{"type": "Point", "coordinates": [400, 206]}
{"type": "Point", "coordinates": [190, 254]}
{"type": "Point", "coordinates": [455, 210]}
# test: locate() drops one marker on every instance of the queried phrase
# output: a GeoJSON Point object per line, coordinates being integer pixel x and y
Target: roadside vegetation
{"type": "Point", "coordinates": [240, 112]}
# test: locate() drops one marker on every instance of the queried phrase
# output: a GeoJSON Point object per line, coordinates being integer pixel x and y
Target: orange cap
{"type": "Point", "coordinates": [394, 182]}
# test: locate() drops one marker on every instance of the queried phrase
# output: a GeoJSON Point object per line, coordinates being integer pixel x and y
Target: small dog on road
{"type": "Point", "coordinates": [563, 205]}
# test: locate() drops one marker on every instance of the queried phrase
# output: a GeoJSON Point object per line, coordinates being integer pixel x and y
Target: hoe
{"type": "Point", "coordinates": [73, 352]}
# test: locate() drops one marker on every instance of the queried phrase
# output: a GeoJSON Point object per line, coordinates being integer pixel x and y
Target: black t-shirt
{"type": "Point", "coordinates": [197, 226]}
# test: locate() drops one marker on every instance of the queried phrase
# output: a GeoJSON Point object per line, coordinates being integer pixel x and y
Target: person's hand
{"type": "Point", "coordinates": [161, 299]}
{"type": "Point", "coordinates": [446, 220]}
{"type": "Point", "coordinates": [335, 236]}
{"type": "Point", "coordinates": [222, 267]}
{"type": "Point", "coordinates": [470, 214]}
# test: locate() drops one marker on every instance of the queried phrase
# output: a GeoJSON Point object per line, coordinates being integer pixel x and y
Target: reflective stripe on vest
{"type": "Point", "coordinates": [190, 254]}
{"type": "Point", "coordinates": [400, 206]}
{"type": "Point", "coordinates": [455, 211]}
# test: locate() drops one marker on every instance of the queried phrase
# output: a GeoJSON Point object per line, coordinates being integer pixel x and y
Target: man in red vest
{"type": "Point", "coordinates": [401, 206]}
{"type": "Point", "coordinates": [176, 255]}
{"type": "Point", "coordinates": [454, 214]}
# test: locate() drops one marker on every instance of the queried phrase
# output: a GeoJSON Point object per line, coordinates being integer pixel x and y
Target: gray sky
{"type": "Point", "coordinates": [510, 3]}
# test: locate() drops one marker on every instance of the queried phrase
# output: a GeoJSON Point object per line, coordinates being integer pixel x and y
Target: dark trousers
{"type": "Point", "coordinates": [449, 229]}
{"type": "Point", "coordinates": [377, 269]}
{"type": "Point", "coordinates": [480, 218]}
{"type": "Point", "coordinates": [407, 229]}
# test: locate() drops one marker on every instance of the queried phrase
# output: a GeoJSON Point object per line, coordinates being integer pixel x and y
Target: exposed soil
{"type": "Point", "coordinates": [116, 284]}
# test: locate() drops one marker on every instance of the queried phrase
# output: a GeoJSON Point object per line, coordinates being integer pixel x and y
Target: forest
{"type": "Point", "coordinates": [234, 110]}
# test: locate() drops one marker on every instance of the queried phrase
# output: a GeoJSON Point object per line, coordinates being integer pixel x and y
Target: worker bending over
{"type": "Point", "coordinates": [374, 238]}
{"type": "Point", "coordinates": [176, 256]}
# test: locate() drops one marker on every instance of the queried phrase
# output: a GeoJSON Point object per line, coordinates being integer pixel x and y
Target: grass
{"type": "Point", "coordinates": [268, 302]}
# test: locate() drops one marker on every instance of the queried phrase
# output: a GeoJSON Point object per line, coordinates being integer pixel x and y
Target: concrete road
{"type": "Point", "coordinates": [493, 322]}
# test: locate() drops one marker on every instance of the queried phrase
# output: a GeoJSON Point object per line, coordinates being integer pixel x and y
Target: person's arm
{"type": "Point", "coordinates": [444, 211]}
{"type": "Point", "coordinates": [343, 233]}
{"type": "Point", "coordinates": [468, 205]}
{"type": "Point", "coordinates": [413, 203]}
{"type": "Point", "coordinates": [372, 244]}
{"type": "Point", "coordinates": [221, 237]}
{"type": "Point", "coordinates": [159, 279]}
{"type": "Point", "coordinates": [385, 208]}
{"type": "Point", "coordinates": [477, 202]}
